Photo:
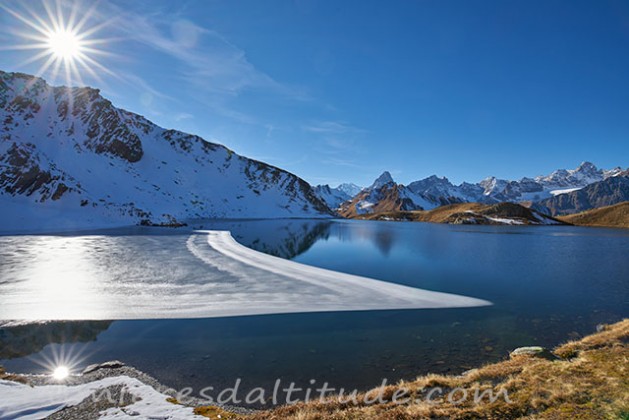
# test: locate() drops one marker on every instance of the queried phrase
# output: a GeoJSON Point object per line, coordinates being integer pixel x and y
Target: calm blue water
{"type": "Point", "coordinates": [548, 284]}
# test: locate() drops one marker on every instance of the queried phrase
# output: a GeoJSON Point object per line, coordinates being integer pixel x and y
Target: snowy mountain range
{"type": "Point", "coordinates": [69, 158]}
{"type": "Point", "coordinates": [385, 195]}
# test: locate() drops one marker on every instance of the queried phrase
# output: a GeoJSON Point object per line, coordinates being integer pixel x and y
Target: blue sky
{"type": "Point", "coordinates": [339, 91]}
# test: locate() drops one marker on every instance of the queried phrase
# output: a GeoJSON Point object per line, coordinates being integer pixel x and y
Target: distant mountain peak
{"type": "Point", "coordinates": [587, 167]}
{"type": "Point", "coordinates": [349, 188]}
{"type": "Point", "coordinates": [382, 180]}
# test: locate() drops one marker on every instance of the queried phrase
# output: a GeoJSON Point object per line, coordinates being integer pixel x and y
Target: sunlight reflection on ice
{"type": "Point", "coordinates": [206, 274]}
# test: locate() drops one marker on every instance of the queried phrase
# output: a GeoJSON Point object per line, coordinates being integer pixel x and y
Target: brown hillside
{"type": "Point", "coordinates": [611, 216]}
{"type": "Point", "coordinates": [466, 213]}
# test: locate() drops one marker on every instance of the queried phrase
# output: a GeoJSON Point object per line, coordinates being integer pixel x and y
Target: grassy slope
{"type": "Point", "coordinates": [590, 381]}
{"type": "Point", "coordinates": [611, 216]}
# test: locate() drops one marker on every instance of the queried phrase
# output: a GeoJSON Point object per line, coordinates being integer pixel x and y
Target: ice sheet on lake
{"type": "Point", "coordinates": [206, 274]}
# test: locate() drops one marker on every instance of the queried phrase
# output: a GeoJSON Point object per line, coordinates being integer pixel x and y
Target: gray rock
{"type": "Point", "coordinates": [114, 364]}
{"type": "Point", "coordinates": [533, 351]}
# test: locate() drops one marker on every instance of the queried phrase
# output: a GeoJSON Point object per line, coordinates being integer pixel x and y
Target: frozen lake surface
{"type": "Point", "coordinates": [546, 284]}
{"type": "Point", "coordinates": [200, 275]}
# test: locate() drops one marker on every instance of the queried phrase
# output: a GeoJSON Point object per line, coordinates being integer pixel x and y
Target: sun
{"type": "Point", "coordinates": [60, 373]}
{"type": "Point", "coordinates": [63, 36]}
{"type": "Point", "coordinates": [64, 44]}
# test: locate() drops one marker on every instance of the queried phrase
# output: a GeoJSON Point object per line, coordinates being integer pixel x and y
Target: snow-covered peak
{"type": "Point", "coordinates": [587, 167]}
{"type": "Point", "coordinates": [492, 185]}
{"type": "Point", "coordinates": [586, 173]}
{"type": "Point", "coordinates": [431, 182]}
{"type": "Point", "coordinates": [333, 197]}
{"type": "Point", "coordinates": [612, 172]}
{"type": "Point", "coordinates": [382, 180]}
{"type": "Point", "coordinates": [441, 190]}
{"type": "Point", "coordinates": [349, 189]}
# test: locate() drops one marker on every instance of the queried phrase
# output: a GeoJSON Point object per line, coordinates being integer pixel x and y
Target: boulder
{"type": "Point", "coordinates": [114, 364]}
{"type": "Point", "coordinates": [533, 351]}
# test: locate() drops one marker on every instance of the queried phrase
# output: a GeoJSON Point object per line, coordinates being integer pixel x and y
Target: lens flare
{"type": "Point", "coordinates": [63, 36]}
{"type": "Point", "coordinates": [60, 373]}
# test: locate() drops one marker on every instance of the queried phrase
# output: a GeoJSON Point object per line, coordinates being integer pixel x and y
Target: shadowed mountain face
{"type": "Point", "coordinates": [70, 153]}
{"type": "Point", "coordinates": [611, 191]}
{"type": "Point", "coordinates": [22, 340]}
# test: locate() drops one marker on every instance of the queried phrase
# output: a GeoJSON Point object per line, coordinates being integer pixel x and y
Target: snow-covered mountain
{"type": "Point", "coordinates": [585, 174]}
{"type": "Point", "coordinates": [542, 187]}
{"type": "Point", "coordinates": [386, 195]}
{"type": "Point", "coordinates": [334, 197]}
{"type": "Point", "coordinates": [350, 189]}
{"type": "Point", "coordinates": [69, 158]}
{"type": "Point", "coordinates": [384, 180]}
{"type": "Point", "coordinates": [440, 191]}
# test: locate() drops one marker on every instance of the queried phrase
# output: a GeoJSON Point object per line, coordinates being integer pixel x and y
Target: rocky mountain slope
{"type": "Point", "coordinates": [471, 214]}
{"type": "Point", "coordinates": [610, 216]}
{"type": "Point", "coordinates": [69, 158]}
{"type": "Point", "coordinates": [612, 190]}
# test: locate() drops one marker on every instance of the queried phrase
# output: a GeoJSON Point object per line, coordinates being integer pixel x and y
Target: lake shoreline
{"type": "Point", "coordinates": [591, 355]}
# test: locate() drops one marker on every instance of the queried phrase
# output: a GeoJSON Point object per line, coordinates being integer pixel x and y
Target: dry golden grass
{"type": "Point", "coordinates": [12, 377]}
{"type": "Point", "coordinates": [441, 214]}
{"type": "Point", "coordinates": [590, 382]}
{"type": "Point", "coordinates": [213, 412]}
{"type": "Point", "coordinates": [611, 216]}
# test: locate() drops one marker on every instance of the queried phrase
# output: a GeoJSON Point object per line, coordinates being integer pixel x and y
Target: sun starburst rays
{"type": "Point", "coordinates": [63, 38]}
